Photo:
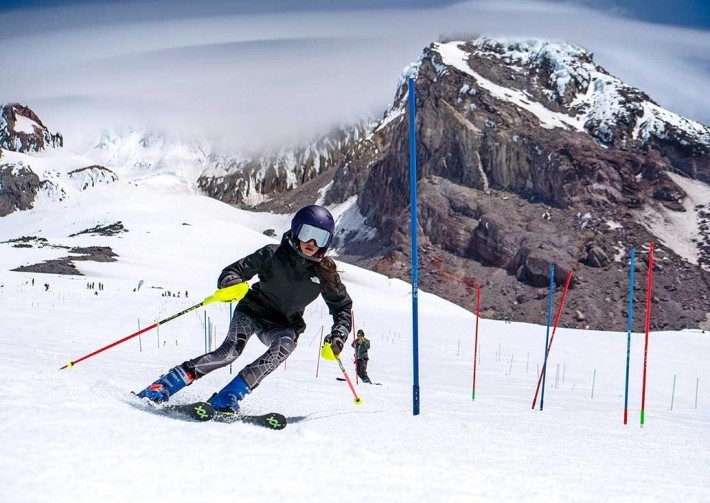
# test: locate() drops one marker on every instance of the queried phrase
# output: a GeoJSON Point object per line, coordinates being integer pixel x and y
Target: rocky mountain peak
{"type": "Point", "coordinates": [21, 130]}
{"type": "Point", "coordinates": [529, 154]}
{"type": "Point", "coordinates": [582, 96]}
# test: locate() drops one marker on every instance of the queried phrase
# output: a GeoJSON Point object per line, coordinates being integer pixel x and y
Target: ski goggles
{"type": "Point", "coordinates": [308, 232]}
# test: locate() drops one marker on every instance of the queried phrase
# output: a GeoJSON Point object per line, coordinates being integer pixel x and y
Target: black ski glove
{"type": "Point", "coordinates": [336, 338]}
{"type": "Point", "coordinates": [230, 280]}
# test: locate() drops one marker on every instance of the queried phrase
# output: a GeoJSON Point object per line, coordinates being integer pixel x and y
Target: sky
{"type": "Point", "coordinates": [77, 435]}
{"type": "Point", "coordinates": [247, 73]}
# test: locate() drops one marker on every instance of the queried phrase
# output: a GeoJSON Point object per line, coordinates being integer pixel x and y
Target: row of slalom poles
{"type": "Point", "coordinates": [475, 340]}
{"type": "Point", "coordinates": [229, 294]}
{"type": "Point", "coordinates": [548, 346]}
{"type": "Point", "coordinates": [629, 326]}
{"type": "Point", "coordinates": [649, 289]}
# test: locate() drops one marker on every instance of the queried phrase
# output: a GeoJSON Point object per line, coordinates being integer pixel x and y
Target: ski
{"type": "Point", "coordinates": [203, 411]}
{"type": "Point", "coordinates": [272, 420]}
{"type": "Point", "coordinates": [373, 383]}
{"type": "Point", "coordinates": [199, 411]}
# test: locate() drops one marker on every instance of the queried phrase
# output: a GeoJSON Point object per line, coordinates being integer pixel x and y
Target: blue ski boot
{"type": "Point", "coordinates": [167, 385]}
{"type": "Point", "coordinates": [227, 400]}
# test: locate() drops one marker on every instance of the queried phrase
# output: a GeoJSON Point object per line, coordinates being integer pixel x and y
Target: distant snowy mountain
{"type": "Point", "coordinates": [195, 165]}
{"type": "Point", "coordinates": [40, 172]}
{"type": "Point", "coordinates": [139, 155]}
{"type": "Point", "coordinates": [563, 87]}
{"type": "Point", "coordinates": [253, 179]}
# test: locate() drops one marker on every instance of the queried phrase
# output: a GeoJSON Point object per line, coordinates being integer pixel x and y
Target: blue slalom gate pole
{"type": "Point", "coordinates": [415, 259]}
{"type": "Point", "coordinates": [628, 334]}
{"type": "Point", "coordinates": [547, 335]}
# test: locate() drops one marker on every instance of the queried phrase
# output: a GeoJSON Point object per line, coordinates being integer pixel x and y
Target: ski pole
{"type": "Point", "coordinates": [327, 353]}
{"type": "Point", "coordinates": [229, 294]}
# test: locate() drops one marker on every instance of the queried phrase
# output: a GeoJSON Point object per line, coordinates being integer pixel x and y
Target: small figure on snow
{"type": "Point", "coordinates": [291, 276]}
{"type": "Point", "coordinates": [362, 345]}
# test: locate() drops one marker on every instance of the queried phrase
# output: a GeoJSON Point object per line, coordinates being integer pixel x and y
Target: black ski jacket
{"type": "Point", "coordinates": [287, 284]}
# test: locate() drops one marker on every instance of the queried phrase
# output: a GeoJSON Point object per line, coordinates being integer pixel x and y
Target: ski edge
{"type": "Point", "coordinates": [271, 420]}
{"type": "Point", "coordinates": [198, 411]}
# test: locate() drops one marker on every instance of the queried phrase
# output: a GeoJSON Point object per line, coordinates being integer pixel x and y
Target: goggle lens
{"type": "Point", "coordinates": [308, 232]}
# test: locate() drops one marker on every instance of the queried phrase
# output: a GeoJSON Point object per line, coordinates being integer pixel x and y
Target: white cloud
{"type": "Point", "coordinates": [247, 77]}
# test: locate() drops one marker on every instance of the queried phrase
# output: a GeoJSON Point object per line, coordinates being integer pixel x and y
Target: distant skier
{"type": "Point", "coordinates": [291, 276]}
{"type": "Point", "coordinates": [362, 344]}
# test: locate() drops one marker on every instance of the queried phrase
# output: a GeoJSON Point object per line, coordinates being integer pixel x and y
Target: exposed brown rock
{"type": "Point", "coordinates": [501, 199]}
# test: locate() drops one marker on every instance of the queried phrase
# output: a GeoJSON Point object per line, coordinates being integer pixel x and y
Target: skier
{"type": "Point", "coordinates": [291, 276]}
{"type": "Point", "coordinates": [362, 344]}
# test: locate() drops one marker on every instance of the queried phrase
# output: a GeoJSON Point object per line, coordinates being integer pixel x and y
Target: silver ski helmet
{"type": "Point", "coordinates": [313, 222]}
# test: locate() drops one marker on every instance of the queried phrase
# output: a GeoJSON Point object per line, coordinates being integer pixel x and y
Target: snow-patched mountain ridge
{"type": "Point", "coordinates": [571, 83]}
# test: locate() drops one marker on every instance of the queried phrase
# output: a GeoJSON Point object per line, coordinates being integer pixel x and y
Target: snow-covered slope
{"type": "Point", "coordinates": [72, 435]}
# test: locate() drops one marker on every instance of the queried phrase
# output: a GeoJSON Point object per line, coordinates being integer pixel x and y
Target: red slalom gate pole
{"type": "Point", "coordinates": [554, 328]}
{"type": "Point", "coordinates": [649, 289]}
{"type": "Point", "coordinates": [229, 294]}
